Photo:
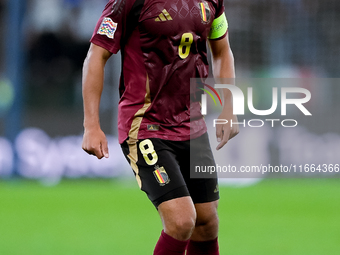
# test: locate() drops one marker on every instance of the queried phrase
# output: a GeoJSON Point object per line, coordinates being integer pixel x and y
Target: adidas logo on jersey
{"type": "Point", "coordinates": [164, 16]}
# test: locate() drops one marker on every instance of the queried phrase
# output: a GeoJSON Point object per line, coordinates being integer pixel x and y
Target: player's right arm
{"type": "Point", "coordinates": [94, 140]}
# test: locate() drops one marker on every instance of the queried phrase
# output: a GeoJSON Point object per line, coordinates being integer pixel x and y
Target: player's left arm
{"type": "Point", "coordinates": [224, 72]}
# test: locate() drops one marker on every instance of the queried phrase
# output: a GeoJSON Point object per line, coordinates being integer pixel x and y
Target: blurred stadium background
{"type": "Point", "coordinates": [55, 199]}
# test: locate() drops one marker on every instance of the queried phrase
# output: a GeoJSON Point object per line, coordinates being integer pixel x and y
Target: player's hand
{"type": "Point", "coordinates": [95, 143]}
{"type": "Point", "coordinates": [224, 132]}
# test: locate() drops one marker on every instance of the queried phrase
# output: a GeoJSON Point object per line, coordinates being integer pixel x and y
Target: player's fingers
{"type": "Point", "coordinates": [105, 149]}
{"type": "Point", "coordinates": [98, 152]}
{"type": "Point", "coordinates": [219, 132]}
{"type": "Point", "coordinates": [224, 140]}
{"type": "Point", "coordinates": [85, 148]}
{"type": "Point", "coordinates": [221, 144]}
{"type": "Point", "coordinates": [93, 150]}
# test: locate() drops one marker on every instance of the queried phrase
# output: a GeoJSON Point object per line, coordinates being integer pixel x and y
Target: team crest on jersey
{"type": "Point", "coordinates": [108, 28]}
{"type": "Point", "coordinates": [161, 175]}
{"type": "Point", "coordinates": [204, 11]}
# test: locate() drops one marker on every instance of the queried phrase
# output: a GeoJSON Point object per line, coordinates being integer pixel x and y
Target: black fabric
{"type": "Point", "coordinates": [174, 158]}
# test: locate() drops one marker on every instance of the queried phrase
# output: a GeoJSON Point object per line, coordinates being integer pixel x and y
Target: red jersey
{"type": "Point", "coordinates": [163, 45]}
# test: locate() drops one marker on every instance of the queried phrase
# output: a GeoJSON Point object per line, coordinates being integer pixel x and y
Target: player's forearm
{"type": "Point", "coordinates": [223, 65]}
{"type": "Point", "coordinates": [224, 72]}
{"type": "Point", "coordinates": [93, 79]}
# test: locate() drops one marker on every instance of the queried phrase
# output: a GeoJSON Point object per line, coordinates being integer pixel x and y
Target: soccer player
{"type": "Point", "coordinates": [163, 45]}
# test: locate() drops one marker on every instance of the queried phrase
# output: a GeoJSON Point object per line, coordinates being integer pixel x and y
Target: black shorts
{"type": "Point", "coordinates": [162, 168]}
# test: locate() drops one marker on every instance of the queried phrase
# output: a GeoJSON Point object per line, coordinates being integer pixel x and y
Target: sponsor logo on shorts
{"type": "Point", "coordinates": [161, 175]}
{"type": "Point", "coordinates": [108, 28]}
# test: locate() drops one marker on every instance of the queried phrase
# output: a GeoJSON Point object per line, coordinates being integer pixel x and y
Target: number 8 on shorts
{"type": "Point", "coordinates": [147, 149]}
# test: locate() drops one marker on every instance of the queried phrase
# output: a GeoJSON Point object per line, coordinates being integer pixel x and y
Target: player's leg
{"type": "Point", "coordinates": [178, 217]}
{"type": "Point", "coordinates": [206, 227]}
{"type": "Point", "coordinates": [158, 174]}
{"type": "Point", "coordinates": [204, 237]}
{"type": "Point", "coordinates": [204, 193]}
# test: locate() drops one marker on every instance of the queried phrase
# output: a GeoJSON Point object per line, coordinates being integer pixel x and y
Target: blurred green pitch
{"type": "Point", "coordinates": [99, 217]}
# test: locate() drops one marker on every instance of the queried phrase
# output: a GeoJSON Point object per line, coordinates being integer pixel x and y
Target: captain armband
{"type": "Point", "coordinates": [219, 27]}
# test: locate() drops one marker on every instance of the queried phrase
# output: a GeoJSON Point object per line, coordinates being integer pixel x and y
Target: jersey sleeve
{"type": "Point", "coordinates": [110, 26]}
{"type": "Point", "coordinates": [219, 26]}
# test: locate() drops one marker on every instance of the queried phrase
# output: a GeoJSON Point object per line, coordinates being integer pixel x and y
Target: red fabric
{"type": "Point", "coordinates": [203, 248]}
{"type": "Point", "coordinates": [168, 245]}
{"type": "Point", "coordinates": [153, 55]}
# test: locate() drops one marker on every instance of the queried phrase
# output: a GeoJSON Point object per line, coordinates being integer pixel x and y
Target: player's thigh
{"type": "Point", "coordinates": [172, 209]}
{"type": "Point", "coordinates": [202, 188]}
{"type": "Point", "coordinates": [156, 168]}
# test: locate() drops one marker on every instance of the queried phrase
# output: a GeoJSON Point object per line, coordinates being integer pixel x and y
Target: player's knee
{"type": "Point", "coordinates": [185, 227]}
{"type": "Point", "coordinates": [182, 227]}
{"type": "Point", "coordinates": [207, 229]}
{"type": "Point", "coordinates": [211, 227]}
